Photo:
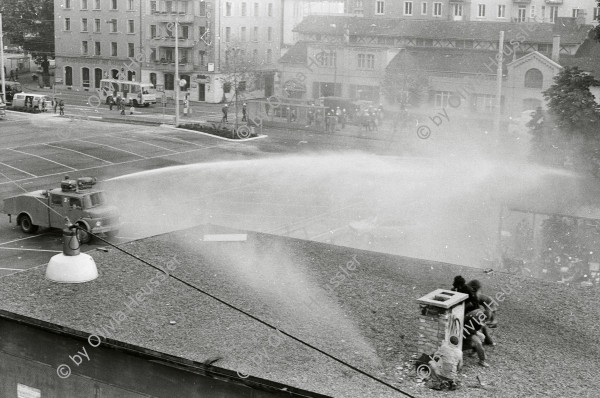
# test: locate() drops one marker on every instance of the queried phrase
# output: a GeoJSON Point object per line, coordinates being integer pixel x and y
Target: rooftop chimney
{"type": "Point", "coordinates": [555, 48]}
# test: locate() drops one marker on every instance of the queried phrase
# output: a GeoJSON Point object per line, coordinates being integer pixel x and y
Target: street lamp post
{"type": "Point", "coordinates": [176, 78]}
{"type": "Point", "coordinates": [2, 77]}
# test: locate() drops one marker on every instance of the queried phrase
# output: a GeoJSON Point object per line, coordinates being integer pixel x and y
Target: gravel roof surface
{"type": "Point", "coordinates": [547, 339]}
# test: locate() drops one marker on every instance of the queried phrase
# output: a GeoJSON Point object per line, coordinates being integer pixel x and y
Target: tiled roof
{"type": "Point", "coordinates": [569, 31]}
{"type": "Point", "coordinates": [439, 60]}
{"type": "Point", "coordinates": [295, 55]}
{"type": "Point", "coordinates": [587, 58]}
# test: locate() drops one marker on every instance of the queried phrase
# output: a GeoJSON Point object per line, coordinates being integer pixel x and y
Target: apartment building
{"type": "Point", "coordinates": [478, 10]}
{"type": "Point", "coordinates": [349, 57]}
{"type": "Point", "coordinates": [135, 40]}
{"type": "Point", "coordinates": [95, 39]}
{"type": "Point", "coordinates": [294, 11]}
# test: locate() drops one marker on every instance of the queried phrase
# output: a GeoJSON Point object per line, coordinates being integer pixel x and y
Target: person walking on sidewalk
{"type": "Point", "coordinates": [54, 104]}
{"type": "Point", "coordinates": [61, 106]}
{"type": "Point", "coordinates": [244, 118]}
{"type": "Point", "coordinates": [224, 110]}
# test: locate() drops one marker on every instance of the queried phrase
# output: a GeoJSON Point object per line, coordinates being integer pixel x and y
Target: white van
{"type": "Point", "coordinates": [31, 102]}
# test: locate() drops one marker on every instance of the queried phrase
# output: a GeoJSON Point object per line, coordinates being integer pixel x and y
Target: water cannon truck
{"type": "Point", "coordinates": [76, 201]}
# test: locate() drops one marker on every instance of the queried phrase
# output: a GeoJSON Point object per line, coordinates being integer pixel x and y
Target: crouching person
{"type": "Point", "coordinates": [446, 363]}
{"type": "Point", "coordinates": [475, 335]}
{"type": "Point", "coordinates": [485, 302]}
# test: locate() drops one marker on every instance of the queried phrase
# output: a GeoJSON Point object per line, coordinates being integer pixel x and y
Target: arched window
{"type": "Point", "coordinates": [85, 77]}
{"type": "Point", "coordinates": [68, 76]}
{"type": "Point", "coordinates": [97, 77]}
{"type": "Point", "coordinates": [534, 78]}
{"type": "Point", "coordinates": [114, 73]}
{"type": "Point", "coordinates": [153, 79]}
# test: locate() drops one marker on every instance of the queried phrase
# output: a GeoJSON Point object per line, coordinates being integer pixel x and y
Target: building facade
{"type": "Point", "coordinates": [95, 39]}
{"type": "Point", "coordinates": [349, 57]}
{"type": "Point", "coordinates": [478, 10]}
{"type": "Point", "coordinates": [135, 40]}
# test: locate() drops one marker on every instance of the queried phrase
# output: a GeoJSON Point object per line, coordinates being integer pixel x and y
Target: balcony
{"type": "Point", "coordinates": [169, 66]}
{"type": "Point", "coordinates": [170, 42]}
{"type": "Point", "coordinates": [522, 1]}
{"type": "Point", "coordinates": [164, 16]}
{"type": "Point", "coordinates": [554, 2]}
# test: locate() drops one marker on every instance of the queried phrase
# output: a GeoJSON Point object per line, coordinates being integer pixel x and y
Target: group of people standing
{"type": "Point", "coordinates": [120, 103]}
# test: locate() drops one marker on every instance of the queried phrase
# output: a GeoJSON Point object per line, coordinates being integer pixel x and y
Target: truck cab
{"type": "Point", "coordinates": [75, 201]}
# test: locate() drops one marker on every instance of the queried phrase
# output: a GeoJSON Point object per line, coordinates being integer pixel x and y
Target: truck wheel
{"type": "Point", "coordinates": [82, 233]}
{"type": "Point", "coordinates": [26, 225]}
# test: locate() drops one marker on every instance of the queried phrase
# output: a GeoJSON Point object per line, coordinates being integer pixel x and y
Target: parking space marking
{"type": "Point", "coordinates": [112, 147]}
{"type": "Point", "coordinates": [41, 157]}
{"type": "Point", "coordinates": [18, 240]}
{"type": "Point", "coordinates": [81, 153]}
{"type": "Point", "coordinates": [116, 164]}
{"type": "Point", "coordinates": [170, 138]}
{"type": "Point", "coordinates": [19, 170]}
{"type": "Point", "coordinates": [143, 142]}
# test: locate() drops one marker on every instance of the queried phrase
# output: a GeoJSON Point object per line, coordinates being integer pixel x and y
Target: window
{"type": "Point", "coordinates": [227, 34]}
{"type": "Point", "coordinates": [255, 34]}
{"type": "Point", "coordinates": [85, 77]}
{"type": "Point", "coordinates": [553, 13]}
{"type": "Point", "coordinates": [408, 8]}
{"type": "Point", "coordinates": [131, 26]}
{"type": "Point", "coordinates": [366, 61]}
{"type": "Point", "coordinates": [97, 25]}
{"type": "Point", "coordinates": [96, 4]}
{"type": "Point", "coordinates": [84, 4]}
{"type": "Point", "coordinates": [577, 12]}
{"type": "Point", "coordinates": [153, 54]}
{"type": "Point", "coordinates": [269, 34]}
{"type": "Point", "coordinates": [521, 13]}
{"type": "Point", "coordinates": [97, 48]}
{"type": "Point", "coordinates": [84, 24]}
{"type": "Point", "coordinates": [202, 57]}
{"type": "Point", "coordinates": [113, 26]}
{"type": "Point", "coordinates": [67, 24]}
{"type": "Point", "coordinates": [244, 10]}
{"type": "Point", "coordinates": [67, 3]}
{"type": "Point", "coordinates": [202, 8]}
{"type": "Point", "coordinates": [457, 10]}
{"type": "Point", "coordinates": [243, 34]}
{"type": "Point", "coordinates": [379, 7]}
{"type": "Point", "coordinates": [169, 81]}
{"type": "Point", "coordinates": [543, 13]}
{"type": "Point", "coordinates": [441, 99]}
{"type": "Point", "coordinates": [423, 8]}
{"type": "Point", "coordinates": [129, 5]}
{"type": "Point", "coordinates": [481, 10]}
{"type": "Point", "coordinates": [533, 78]}
{"type": "Point", "coordinates": [228, 9]}
{"type": "Point", "coordinates": [183, 7]}
{"type": "Point", "coordinates": [153, 31]}
{"type": "Point", "coordinates": [184, 32]}
{"type": "Point", "coordinates": [202, 31]}
{"type": "Point", "coordinates": [57, 200]}
{"type": "Point", "coordinates": [153, 7]}
{"type": "Point", "coordinates": [485, 103]}
{"type": "Point", "coordinates": [270, 10]}
{"type": "Point", "coordinates": [326, 58]}
{"type": "Point", "coordinates": [256, 9]}
{"type": "Point", "coordinates": [532, 12]}
{"type": "Point", "coordinates": [169, 7]}
{"type": "Point", "coordinates": [596, 13]}
{"type": "Point", "coordinates": [113, 49]}
{"type": "Point", "coordinates": [437, 9]}
{"type": "Point", "coordinates": [269, 56]}
{"type": "Point", "coordinates": [502, 11]}
{"type": "Point", "coordinates": [113, 4]}
{"type": "Point", "coordinates": [84, 47]}
{"type": "Point", "coordinates": [130, 50]}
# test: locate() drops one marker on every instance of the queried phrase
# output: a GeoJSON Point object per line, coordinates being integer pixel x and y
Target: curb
{"type": "Point", "coordinates": [214, 136]}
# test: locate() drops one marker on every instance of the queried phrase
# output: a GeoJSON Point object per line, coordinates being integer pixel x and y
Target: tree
{"type": "Point", "coordinates": [239, 72]}
{"type": "Point", "coordinates": [30, 24]}
{"type": "Point", "coordinates": [567, 134]}
{"type": "Point", "coordinates": [404, 83]}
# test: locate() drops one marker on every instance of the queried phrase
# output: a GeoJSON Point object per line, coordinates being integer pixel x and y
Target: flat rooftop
{"type": "Point", "coordinates": [547, 338]}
